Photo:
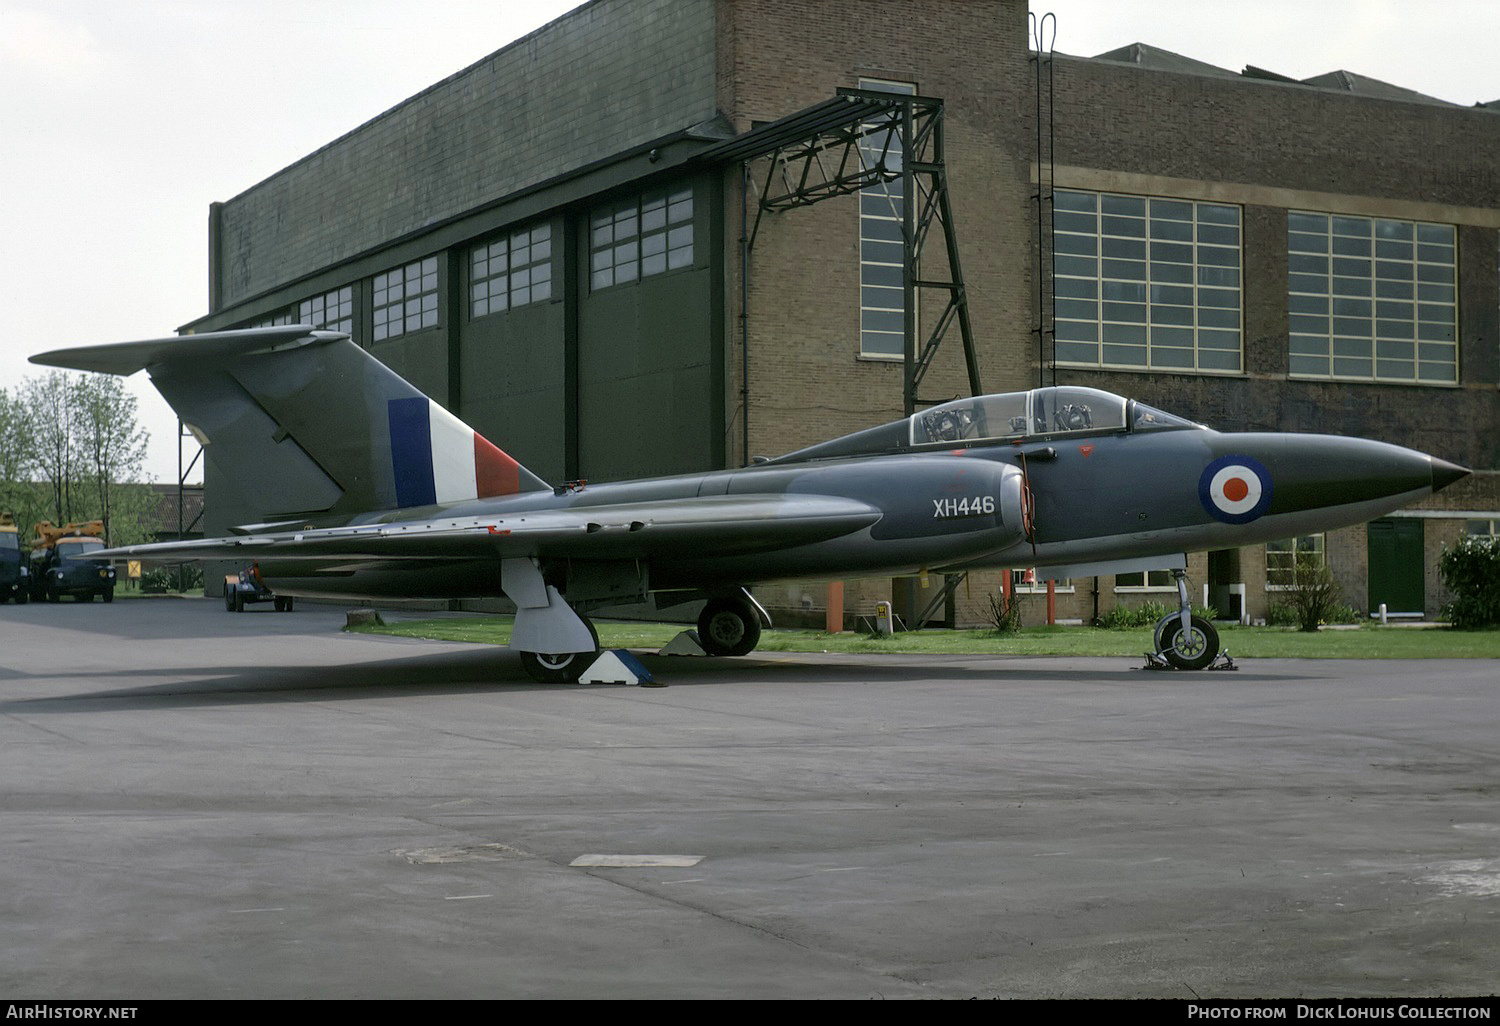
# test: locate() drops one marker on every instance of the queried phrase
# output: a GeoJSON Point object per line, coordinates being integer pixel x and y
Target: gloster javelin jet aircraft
{"type": "Point", "coordinates": [372, 490]}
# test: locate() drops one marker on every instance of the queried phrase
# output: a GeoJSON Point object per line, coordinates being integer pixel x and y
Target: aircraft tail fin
{"type": "Point", "coordinates": [305, 422]}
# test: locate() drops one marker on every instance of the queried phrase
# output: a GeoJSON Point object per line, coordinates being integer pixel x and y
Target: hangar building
{"type": "Point", "coordinates": [571, 245]}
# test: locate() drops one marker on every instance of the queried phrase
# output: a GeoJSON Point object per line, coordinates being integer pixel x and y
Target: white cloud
{"type": "Point", "coordinates": [49, 41]}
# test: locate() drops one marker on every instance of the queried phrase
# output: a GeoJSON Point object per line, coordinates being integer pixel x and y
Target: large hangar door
{"type": "Point", "coordinates": [650, 379]}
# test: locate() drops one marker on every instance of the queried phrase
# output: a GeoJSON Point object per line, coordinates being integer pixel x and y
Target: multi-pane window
{"type": "Point", "coordinates": [275, 320]}
{"type": "Point", "coordinates": [1372, 299]}
{"type": "Point", "coordinates": [1145, 282]}
{"type": "Point", "coordinates": [511, 271]}
{"type": "Point", "coordinates": [641, 236]}
{"type": "Point", "coordinates": [1155, 579]}
{"type": "Point", "coordinates": [1483, 529]}
{"type": "Point", "coordinates": [406, 299]}
{"type": "Point", "coordinates": [1284, 556]}
{"type": "Point", "coordinates": [332, 310]}
{"type": "Point", "coordinates": [1026, 582]}
{"type": "Point", "coordinates": [882, 257]}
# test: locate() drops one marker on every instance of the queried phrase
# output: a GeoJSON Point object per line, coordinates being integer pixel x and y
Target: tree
{"type": "Point", "coordinates": [50, 402]}
{"type": "Point", "coordinates": [80, 438]}
{"type": "Point", "coordinates": [111, 445]}
{"type": "Point", "coordinates": [18, 493]}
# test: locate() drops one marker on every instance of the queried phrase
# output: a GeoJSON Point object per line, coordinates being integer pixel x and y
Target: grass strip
{"type": "Point", "coordinates": [1362, 642]}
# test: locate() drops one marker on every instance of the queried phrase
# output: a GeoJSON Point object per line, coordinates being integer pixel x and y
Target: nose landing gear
{"type": "Point", "coordinates": [1186, 642]}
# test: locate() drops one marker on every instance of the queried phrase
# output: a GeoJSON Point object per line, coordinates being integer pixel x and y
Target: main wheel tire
{"type": "Point", "coordinates": [108, 594]}
{"type": "Point", "coordinates": [561, 667]}
{"type": "Point", "coordinates": [728, 627]}
{"type": "Point", "coordinates": [228, 600]}
{"type": "Point", "coordinates": [1193, 650]}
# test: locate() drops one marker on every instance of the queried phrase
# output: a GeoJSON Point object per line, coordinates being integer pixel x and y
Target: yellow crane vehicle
{"type": "Point", "coordinates": [62, 562]}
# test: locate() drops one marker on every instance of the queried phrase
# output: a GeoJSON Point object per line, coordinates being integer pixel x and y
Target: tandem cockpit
{"type": "Point", "coordinates": [1064, 409]}
{"type": "Point", "coordinates": [1006, 417]}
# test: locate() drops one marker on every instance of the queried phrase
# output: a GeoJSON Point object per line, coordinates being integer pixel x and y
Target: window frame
{"type": "Point", "coordinates": [1488, 527]}
{"type": "Point", "coordinates": [1037, 585]}
{"type": "Point", "coordinates": [1172, 293]}
{"type": "Point", "coordinates": [650, 234]}
{"type": "Point", "coordinates": [882, 206]}
{"type": "Point", "coordinates": [1145, 587]}
{"type": "Point", "coordinates": [534, 244]}
{"type": "Point", "coordinates": [1328, 289]}
{"type": "Point", "coordinates": [1320, 547]}
{"type": "Point", "coordinates": [427, 299]}
{"type": "Point", "coordinates": [342, 300]}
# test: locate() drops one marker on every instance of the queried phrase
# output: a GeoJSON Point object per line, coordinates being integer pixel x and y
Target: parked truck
{"type": "Point", "coordinates": [15, 570]}
{"type": "Point", "coordinates": [62, 562]}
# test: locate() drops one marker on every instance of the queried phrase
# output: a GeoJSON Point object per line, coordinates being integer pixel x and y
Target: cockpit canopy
{"type": "Point", "coordinates": [1064, 409]}
{"type": "Point", "coordinates": [1008, 417]}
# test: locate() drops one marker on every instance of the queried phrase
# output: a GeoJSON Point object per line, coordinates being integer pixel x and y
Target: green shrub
{"type": "Point", "coordinates": [1004, 615]}
{"type": "Point", "coordinates": [1471, 571]}
{"type": "Point", "coordinates": [162, 579]}
{"type": "Point", "coordinates": [1313, 596]}
{"type": "Point", "coordinates": [1147, 614]}
{"type": "Point", "coordinates": [1285, 614]}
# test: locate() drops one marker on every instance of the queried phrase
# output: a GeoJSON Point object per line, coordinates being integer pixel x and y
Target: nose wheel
{"type": "Point", "coordinates": [1183, 641]}
{"type": "Point", "coordinates": [1191, 649]}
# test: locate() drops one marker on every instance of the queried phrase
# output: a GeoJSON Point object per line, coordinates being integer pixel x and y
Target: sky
{"type": "Point", "coordinates": [122, 120]}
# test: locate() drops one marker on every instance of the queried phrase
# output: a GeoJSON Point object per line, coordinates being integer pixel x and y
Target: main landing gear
{"type": "Point", "coordinates": [729, 626]}
{"type": "Point", "coordinates": [1184, 641]}
{"type": "Point", "coordinates": [561, 667]}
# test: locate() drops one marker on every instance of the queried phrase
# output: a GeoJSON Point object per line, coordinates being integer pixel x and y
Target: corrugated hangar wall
{"type": "Point", "coordinates": [561, 383]}
{"type": "Point", "coordinates": [610, 76]}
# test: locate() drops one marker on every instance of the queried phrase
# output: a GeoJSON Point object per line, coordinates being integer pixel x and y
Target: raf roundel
{"type": "Point", "coordinates": [1235, 489]}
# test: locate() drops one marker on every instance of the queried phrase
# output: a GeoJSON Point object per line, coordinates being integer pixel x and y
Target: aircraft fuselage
{"type": "Point", "coordinates": [1093, 497]}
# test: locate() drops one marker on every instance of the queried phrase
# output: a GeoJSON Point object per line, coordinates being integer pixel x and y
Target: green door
{"type": "Point", "coordinates": [1396, 565]}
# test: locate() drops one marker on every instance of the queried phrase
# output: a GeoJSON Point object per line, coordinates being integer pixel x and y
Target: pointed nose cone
{"type": "Point", "coordinates": [1445, 473]}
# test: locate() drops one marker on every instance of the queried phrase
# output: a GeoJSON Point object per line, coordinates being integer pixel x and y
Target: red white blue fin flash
{"type": "Point", "coordinates": [437, 458]}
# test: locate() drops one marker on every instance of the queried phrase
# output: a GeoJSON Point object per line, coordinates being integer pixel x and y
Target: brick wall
{"type": "Point", "coordinates": [1232, 138]}
{"type": "Point", "coordinates": [807, 382]}
{"type": "Point", "coordinates": [1294, 137]}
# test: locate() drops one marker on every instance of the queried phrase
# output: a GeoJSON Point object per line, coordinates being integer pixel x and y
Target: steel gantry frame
{"type": "Point", "coordinates": [859, 139]}
{"type": "Point", "coordinates": [845, 145]}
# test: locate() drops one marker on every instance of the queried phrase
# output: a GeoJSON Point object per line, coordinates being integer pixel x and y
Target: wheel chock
{"type": "Point", "coordinates": [1222, 661]}
{"type": "Point", "coordinates": [617, 666]}
{"type": "Point", "coordinates": [685, 644]}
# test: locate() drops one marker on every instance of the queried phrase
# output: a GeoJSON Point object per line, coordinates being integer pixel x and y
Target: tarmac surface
{"type": "Point", "coordinates": [195, 804]}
